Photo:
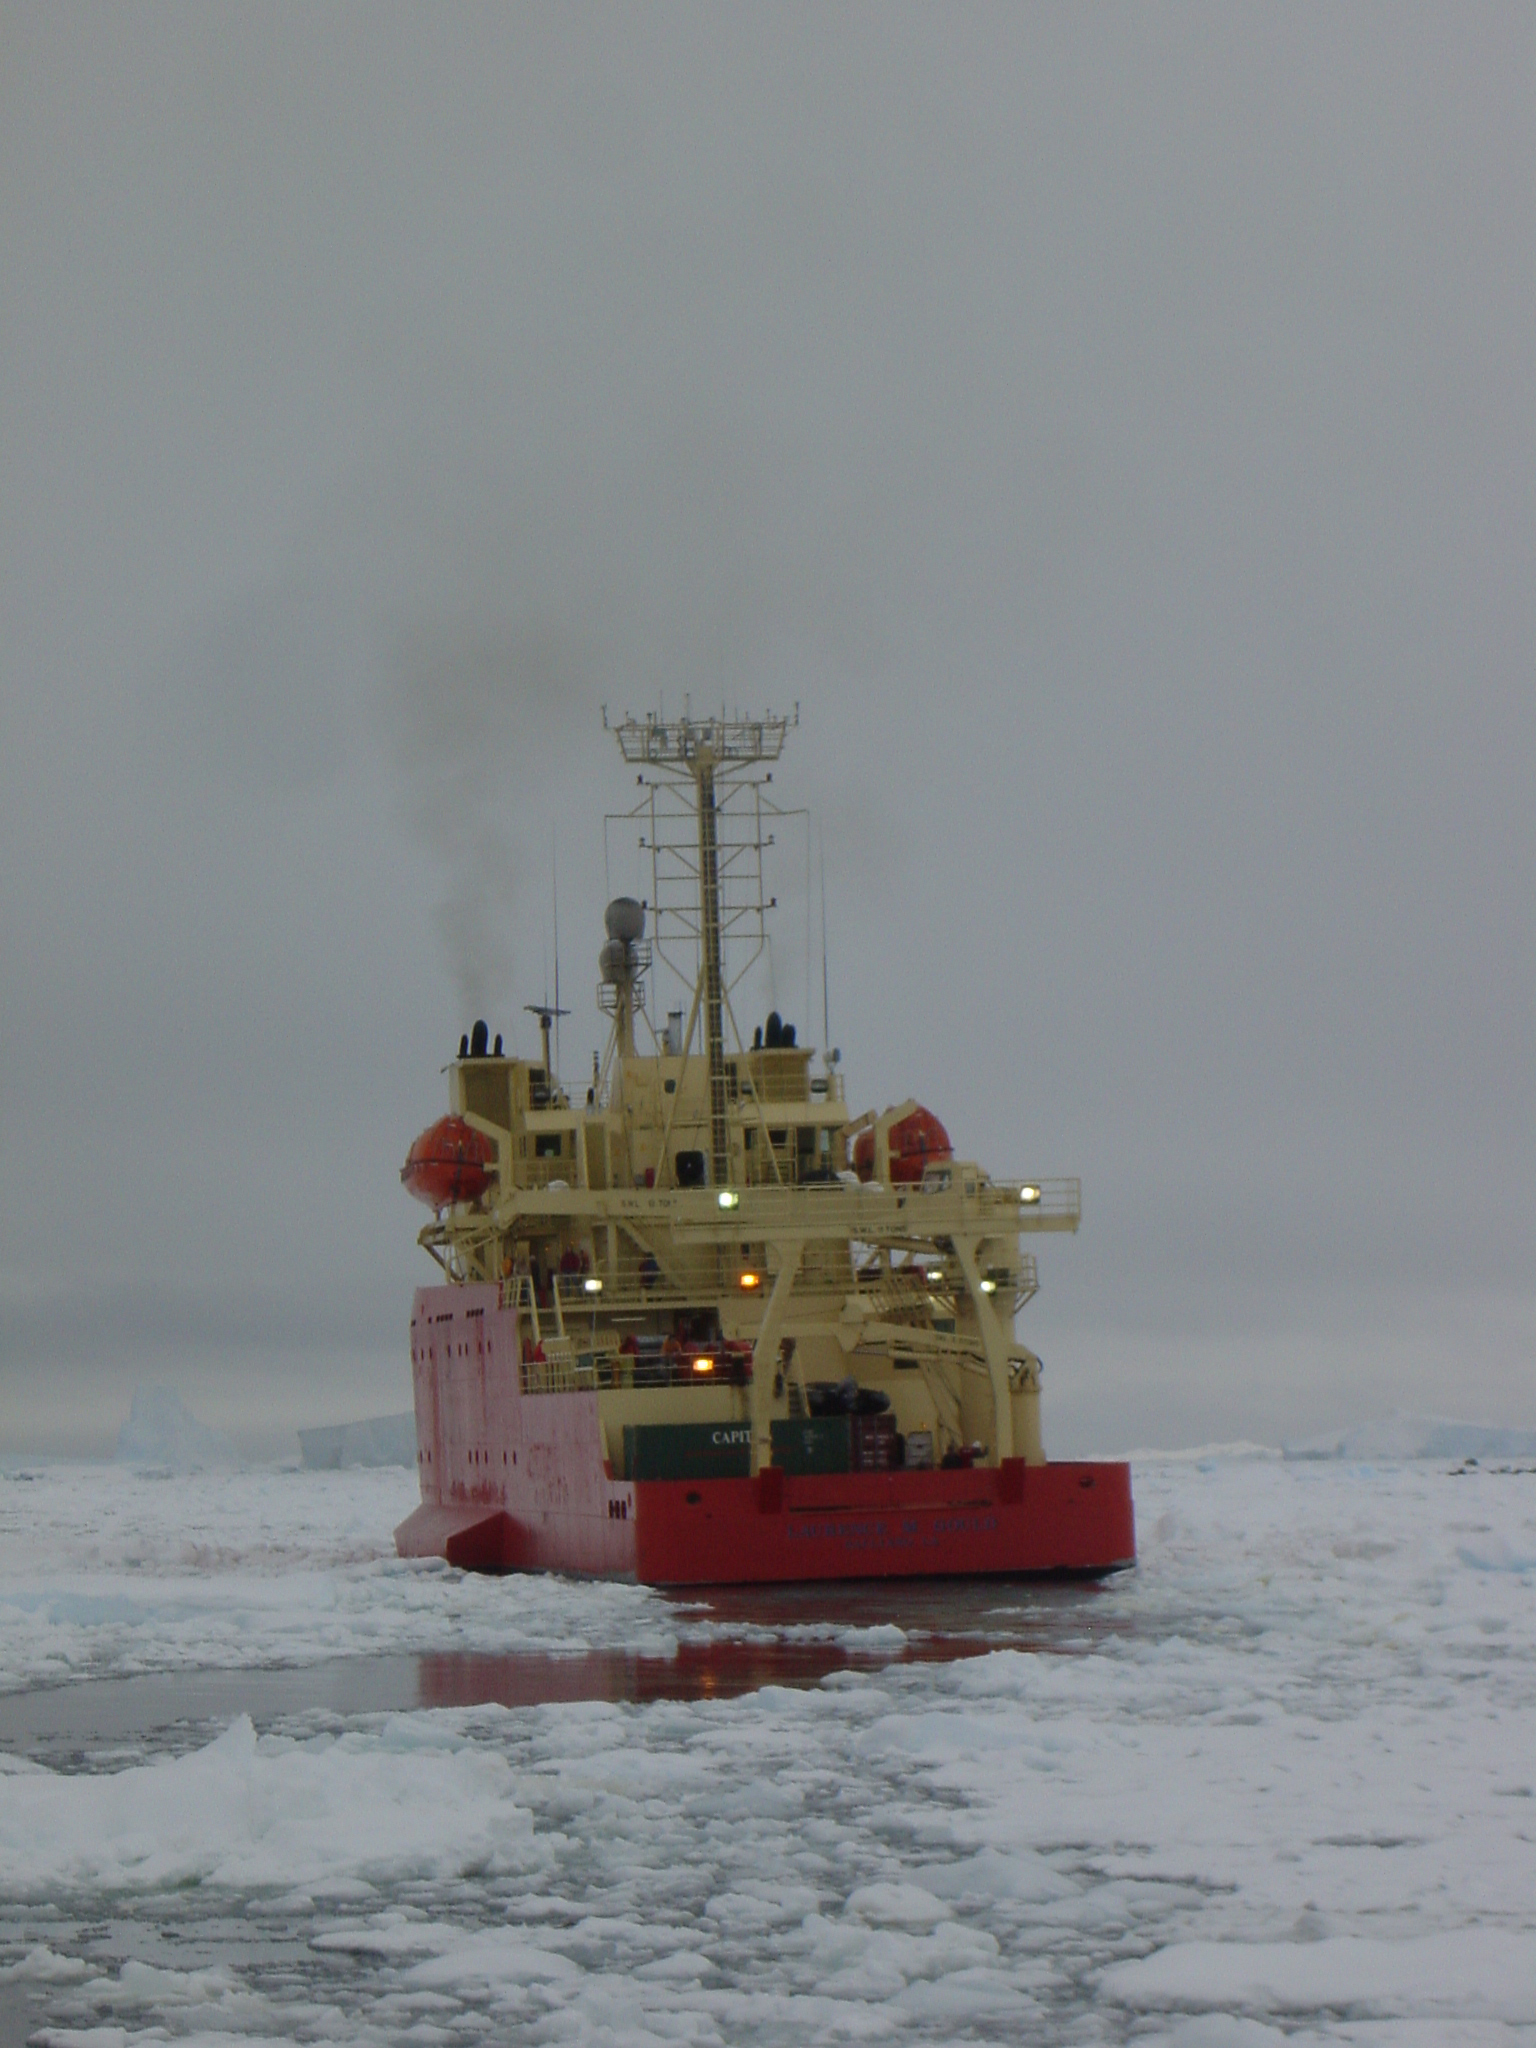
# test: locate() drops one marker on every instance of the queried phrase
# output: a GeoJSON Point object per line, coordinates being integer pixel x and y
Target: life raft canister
{"type": "Point", "coordinates": [919, 1140]}
{"type": "Point", "coordinates": [449, 1163]}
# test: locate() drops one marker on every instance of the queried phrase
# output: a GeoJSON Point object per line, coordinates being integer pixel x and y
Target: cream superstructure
{"type": "Point", "coordinates": [700, 1194]}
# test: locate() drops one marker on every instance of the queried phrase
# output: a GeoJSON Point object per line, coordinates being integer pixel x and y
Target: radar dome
{"type": "Point", "coordinates": [625, 919]}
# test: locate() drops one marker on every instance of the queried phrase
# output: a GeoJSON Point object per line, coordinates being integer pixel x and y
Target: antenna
{"type": "Point", "coordinates": [826, 1027]}
{"type": "Point", "coordinates": [554, 890]}
{"type": "Point", "coordinates": [547, 1014]}
{"type": "Point", "coordinates": [806, 1013]}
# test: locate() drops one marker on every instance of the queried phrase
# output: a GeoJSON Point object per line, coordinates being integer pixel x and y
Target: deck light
{"type": "Point", "coordinates": [934, 1275]}
{"type": "Point", "coordinates": [593, 1286]}
{"type": "Point", "coordinates": [1029, 1193]}
{"type": "Point", "coordinates": [728, 1198]}
{"type": "Point", "coordinates": [703, 1365]}
{"type": "Point", "coordinates": [989, 1287]}
{"type": "Point", "coordinates": [750, 1280]}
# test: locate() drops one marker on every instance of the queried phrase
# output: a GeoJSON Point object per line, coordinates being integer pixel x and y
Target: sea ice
{"type": "Point", "coordinates": [1279, 1784]}
{"type": "Point", "coordinates": [109, 1572]}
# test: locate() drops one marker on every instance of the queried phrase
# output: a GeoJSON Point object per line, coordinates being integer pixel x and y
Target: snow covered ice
{"type": "Point", "coordinates": [1279, 1784]}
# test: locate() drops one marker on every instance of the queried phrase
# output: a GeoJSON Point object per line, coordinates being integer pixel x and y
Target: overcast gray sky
{"type": "Point", "coordinates": [1114, 425]}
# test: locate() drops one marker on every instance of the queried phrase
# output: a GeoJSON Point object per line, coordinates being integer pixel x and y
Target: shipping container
{"type": "Point", "coordinates": [687, 1450]}
{"type": "Point", "coordinates": [817, 1443]}
{"type": "Point", "coordinates": [872, 1443]}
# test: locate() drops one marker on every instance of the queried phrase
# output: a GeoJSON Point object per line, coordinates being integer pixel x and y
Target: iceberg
{"type": "Point", "coordinates": [380, 1440]}
{"type": "Point", "coordinates": [1417, 1436]}
{"type": "Point", "coordinates": [161, 1431]}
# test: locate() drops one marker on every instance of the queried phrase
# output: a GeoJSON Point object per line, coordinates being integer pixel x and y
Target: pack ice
{"type": "Point", "coordinates": [1278, 1785]}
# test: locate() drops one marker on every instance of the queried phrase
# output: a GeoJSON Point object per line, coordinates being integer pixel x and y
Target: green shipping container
{"type": "Point", "coordinates": [819, 1443]}
{"type": "Point", "coordinates": [687, 1450]}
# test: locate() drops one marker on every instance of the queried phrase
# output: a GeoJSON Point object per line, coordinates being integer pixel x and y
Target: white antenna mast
{"type": "Point", "coordinates": [554, 890]}
{"type": "Point", "coordinates": [826, 1027]}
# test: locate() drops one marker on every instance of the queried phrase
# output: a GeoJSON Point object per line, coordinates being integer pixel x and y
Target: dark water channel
{"type": "Point", "coordinates": [733, 1642]}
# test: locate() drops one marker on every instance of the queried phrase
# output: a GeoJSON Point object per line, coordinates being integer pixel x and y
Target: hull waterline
{"type": "Point", "coordinates": [1015, 1521]}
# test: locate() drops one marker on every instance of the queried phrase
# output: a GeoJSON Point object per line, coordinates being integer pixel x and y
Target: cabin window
{"type": "Point", "coordinates": [548, 1145]}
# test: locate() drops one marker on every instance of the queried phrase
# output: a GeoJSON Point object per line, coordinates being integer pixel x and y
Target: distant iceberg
{"type": "Point", "coordinates": [162, 1432]}
{"type": "Point", "coordinates": [1417, 1436]}
{"type": "Point", "coordinates": [381, 1440]}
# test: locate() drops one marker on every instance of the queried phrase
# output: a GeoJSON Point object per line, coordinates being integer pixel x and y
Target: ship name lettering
{"type": "Point", "coordinates": [854, 1535]}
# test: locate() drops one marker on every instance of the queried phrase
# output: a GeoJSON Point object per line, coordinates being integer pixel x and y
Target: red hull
{"type": "Point", "coordinates": [515, 1483]}
{"type": "Point", "coordinates": [885, 1525]}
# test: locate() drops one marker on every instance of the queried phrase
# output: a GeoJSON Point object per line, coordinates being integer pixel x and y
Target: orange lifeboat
{"type": "Point", "coordinates": [919, 1140]}
{"type": "Point", "coordinates": [448, 1163]}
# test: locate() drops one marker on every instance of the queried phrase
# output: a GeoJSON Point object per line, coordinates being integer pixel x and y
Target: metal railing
{"type": "Point", "coordinates": [563, 1368]}
{"type": "Point", "coordinates": [870, 1212]}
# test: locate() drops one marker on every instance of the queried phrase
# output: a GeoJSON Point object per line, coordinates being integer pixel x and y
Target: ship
{"type": "Point", "coordinates": [696, 1322]}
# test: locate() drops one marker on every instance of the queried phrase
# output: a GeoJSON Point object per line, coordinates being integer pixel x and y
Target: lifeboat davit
{"type": "Point", "coordinates": [918, 1141]}
{"type": "Point", "coordinates": [449, 1163]}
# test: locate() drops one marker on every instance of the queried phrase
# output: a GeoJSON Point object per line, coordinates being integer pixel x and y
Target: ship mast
{"type": "Point", "coordinates": [708, 754]}
{"type": "Point", "coordinates": [709, 931]}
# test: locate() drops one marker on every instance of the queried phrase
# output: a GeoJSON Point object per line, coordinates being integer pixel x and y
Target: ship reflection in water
{"type": "Point", "coordinates": [697, 1671]}
{"type": "Point", "coordinates": [730, 1643]}
{"type": "Point", "coordinates": [784, 1635]}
